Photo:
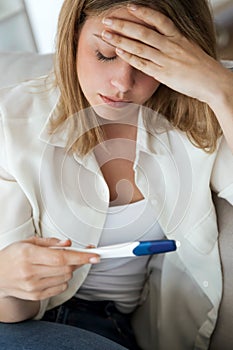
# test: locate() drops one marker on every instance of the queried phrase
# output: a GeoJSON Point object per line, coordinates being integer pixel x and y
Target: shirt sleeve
{"type": "Point", "coordinates": [222, 172]}
{"type": "Point", "coordinates": [16, 213]}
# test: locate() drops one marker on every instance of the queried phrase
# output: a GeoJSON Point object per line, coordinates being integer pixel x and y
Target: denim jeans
{"type": "Point", "coordinates": [41, 335]}
{"type": "Point", "coordinates": [99, 317]}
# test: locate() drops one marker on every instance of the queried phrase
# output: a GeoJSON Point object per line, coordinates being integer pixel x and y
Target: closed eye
{"type": "Point", "coordinates": [103, 58]}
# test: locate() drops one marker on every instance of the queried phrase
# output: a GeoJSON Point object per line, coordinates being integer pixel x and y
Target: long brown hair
{"type": "Point", "coordinates": [193, 19]}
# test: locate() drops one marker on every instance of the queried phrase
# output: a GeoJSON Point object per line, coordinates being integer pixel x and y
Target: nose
{"type": "Point", "coordinates": [124, 78]}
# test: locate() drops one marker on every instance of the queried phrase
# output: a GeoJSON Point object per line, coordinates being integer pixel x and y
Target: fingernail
{"type": "Point", "coordinates": [106, 35]}
{"type": "Point", "coordinates": [119, 51]}
{"type": "Point", "coordinates": [64, 241]}
{"type": "Point", "coordinates": [132, 7]}
{"type": "Point", "coordinates": [107, 21]}
{"type": "Point", "coordinates": [94, 260]}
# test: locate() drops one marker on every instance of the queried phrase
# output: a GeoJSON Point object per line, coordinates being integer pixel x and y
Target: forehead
{"type": "Point", "coordinates": [95, 22]}
{"type": "Point", "coordinates": [122, 13]}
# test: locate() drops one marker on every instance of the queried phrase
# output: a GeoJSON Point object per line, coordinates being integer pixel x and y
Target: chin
{"type": "Point", "coordinates": [116, 114]}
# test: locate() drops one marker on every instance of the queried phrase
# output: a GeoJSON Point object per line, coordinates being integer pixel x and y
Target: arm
{"type": "Point", "coordinates": [30, 270]}
{"type": "Point", "coordinates": [15, 212]}
{"type": "Point", "coordinates": [223, 105]}
{"type": "Point", "coordinates": [222, 173]}
{"type": "Point", "coordinates": [162, 52]}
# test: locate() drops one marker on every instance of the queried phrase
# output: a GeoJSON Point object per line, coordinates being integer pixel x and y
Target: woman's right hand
{"type": "Point", "coordinates": [31, 270]}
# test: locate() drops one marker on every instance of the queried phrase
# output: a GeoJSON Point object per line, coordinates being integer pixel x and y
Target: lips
{"type": "Point", "coordinates": [114, 102]}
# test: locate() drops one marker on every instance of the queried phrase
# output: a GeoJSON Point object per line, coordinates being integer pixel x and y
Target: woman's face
{"type": "Point", "coordinates": [109, 83]}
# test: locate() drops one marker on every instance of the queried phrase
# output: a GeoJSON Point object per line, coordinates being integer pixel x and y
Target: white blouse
{"type": "Point", "coordinates": [46, 191]}
{"type": "Point", "coordinates": [122, 279]}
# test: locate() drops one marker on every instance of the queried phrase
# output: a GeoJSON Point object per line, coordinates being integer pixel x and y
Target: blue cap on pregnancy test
{"type": "Point", "coordinates": [155, 247]}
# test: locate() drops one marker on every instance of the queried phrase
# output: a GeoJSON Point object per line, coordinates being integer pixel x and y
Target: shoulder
{"type": "Point", "coordinates": [180, 141]}
{"type": "Point", "coordinates": [24, 100]}
{"type": "Point", "coordinates": [24, 110]}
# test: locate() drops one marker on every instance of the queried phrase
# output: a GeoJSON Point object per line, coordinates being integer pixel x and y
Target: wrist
{"type": "Point", "coordinates": [3, 295]}
{"type": "Point", "coordinates": [14, 310]}
{"type": "Point", "coordinates": [221, 96]}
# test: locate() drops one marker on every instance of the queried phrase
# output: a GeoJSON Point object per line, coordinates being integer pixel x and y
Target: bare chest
{"type": "Point", "coordinates": [116, 163]}
{"type": "Point", "coordinates": [119, 176]}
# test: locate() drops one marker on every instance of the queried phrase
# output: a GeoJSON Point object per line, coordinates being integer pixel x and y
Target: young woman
{"type": "Point", "coordinates": [123, 143]}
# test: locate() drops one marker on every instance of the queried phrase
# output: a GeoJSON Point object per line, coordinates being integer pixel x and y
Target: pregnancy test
{"type": "Point", "coordinates": [130, 249]}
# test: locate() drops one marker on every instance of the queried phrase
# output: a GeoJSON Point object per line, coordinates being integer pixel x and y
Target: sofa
{"type": "Point", "coordinates": [19, 66]}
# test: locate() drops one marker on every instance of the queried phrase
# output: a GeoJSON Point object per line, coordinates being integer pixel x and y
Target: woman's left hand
{"type": "Point", "coordinates": [157, 48]}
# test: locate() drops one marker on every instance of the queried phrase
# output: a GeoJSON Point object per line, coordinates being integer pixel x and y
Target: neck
{"type": "Point", "coordinates": [126, 129]}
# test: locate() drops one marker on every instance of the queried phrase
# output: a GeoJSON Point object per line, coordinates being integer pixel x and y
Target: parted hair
{"type": "Point", "coordinates": [193, 19]}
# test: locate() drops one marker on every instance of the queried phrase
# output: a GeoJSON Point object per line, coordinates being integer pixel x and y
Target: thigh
{"type": "Point", "coordinates": [100, 317]}
{"type": "Point", "coordinates": [38, 335]}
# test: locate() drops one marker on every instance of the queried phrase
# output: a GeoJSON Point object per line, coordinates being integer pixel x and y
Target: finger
{"type": "Point", "coordinates": [37, 285]}
{"type": "Point", "coordinates": [47, 242]}
{"type": "Point", "coordinates": [50, 292]}
{"type": "Point", "coordinates": [51, 282]}
{"type": "Point", "coordinates": [136, 48]}
{"type": "Point", "coordinates": [154, 18]}
{"type": "Point", "coordinates": [65, 243]}
{"type": "Point", "coordinates": [143, 65]}
{"type": "Point", "coordinates": [62, 257]}
{"type": "Point", "coordinates": [39, 295]}
{"type": "Point", "coordinates": [136, 31]}
{"type": "Point", "coordinates": [43, 271]}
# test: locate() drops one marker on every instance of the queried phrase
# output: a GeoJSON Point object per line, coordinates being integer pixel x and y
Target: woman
{"type": "Point", "coordinates": [126, 146]}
